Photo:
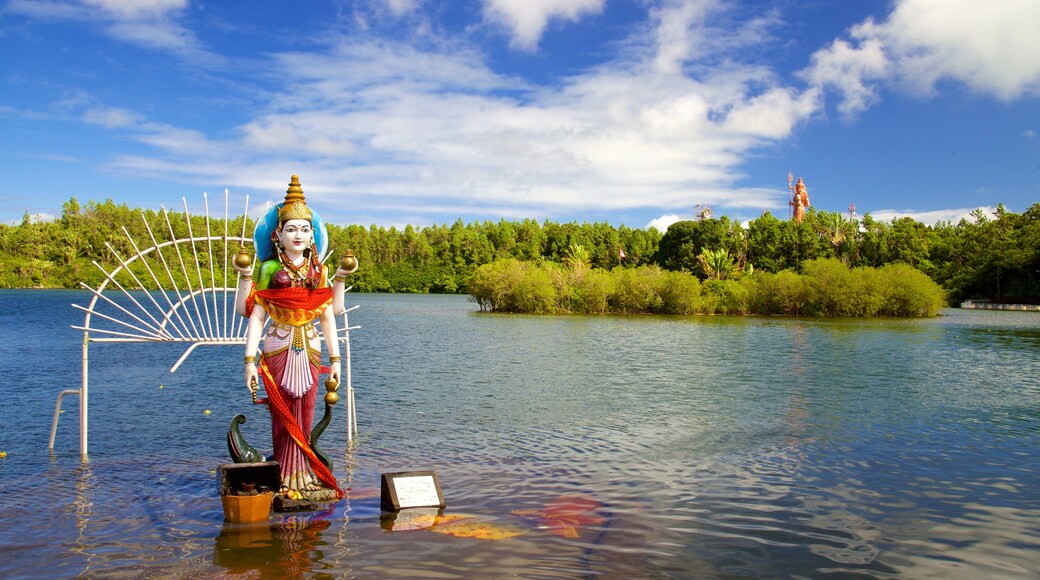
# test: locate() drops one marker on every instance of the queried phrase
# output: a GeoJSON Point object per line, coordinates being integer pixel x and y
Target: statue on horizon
{"type": "Point", "coordinates": [799, 198]}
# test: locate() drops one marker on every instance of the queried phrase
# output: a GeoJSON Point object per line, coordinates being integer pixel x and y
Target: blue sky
{"type": "Point", "coordinates": [626, 111]}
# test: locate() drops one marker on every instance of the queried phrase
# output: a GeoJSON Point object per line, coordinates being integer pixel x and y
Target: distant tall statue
{"type": "Point", "coordinates": [799, 198]}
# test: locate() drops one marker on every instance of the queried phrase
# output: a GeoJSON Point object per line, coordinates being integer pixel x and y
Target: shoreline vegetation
{"type": "Point", "coordinates": [830, 264]}
{"type": "Point", "coordinates": [826, 287]}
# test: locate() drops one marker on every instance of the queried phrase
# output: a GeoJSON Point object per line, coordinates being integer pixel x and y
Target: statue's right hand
{"type": "Point", "coordinates": [251, 378]}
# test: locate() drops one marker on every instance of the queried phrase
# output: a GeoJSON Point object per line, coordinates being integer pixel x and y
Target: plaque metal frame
{"type": "Point", "coordinates": [410, 489]}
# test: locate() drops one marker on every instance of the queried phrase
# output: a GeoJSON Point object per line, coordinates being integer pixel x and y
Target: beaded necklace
{"type": "Point", "coordinates": [300, 276]}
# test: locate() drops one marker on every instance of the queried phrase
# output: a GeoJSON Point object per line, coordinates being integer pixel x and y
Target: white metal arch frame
{"type": "Point", "coordinates": [203, 313]}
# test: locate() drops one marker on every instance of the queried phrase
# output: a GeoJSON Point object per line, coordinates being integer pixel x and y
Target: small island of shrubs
{"type": "Point", "coordinates": [825, 287]}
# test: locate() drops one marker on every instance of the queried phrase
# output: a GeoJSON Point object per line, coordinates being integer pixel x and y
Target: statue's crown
{"type": "Point", "coordinates": [294, 208]}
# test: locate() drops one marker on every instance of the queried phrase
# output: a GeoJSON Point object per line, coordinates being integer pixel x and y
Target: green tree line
{"type": "Point", "coordinates": [982, 258]}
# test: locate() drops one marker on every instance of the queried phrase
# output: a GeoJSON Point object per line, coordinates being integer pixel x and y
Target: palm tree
{"type": "Point", "coordinates": [837, 230]}
{"type": "Point", "coordinates": [717, 264]}
{"type": "Point", "coordinates": [578, 257]}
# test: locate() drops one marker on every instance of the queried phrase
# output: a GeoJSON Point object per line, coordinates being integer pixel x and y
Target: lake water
{"type": "Point", "coordinates": [700, 447]}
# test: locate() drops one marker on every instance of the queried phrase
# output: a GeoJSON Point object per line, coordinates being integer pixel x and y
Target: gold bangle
{"type": "Point", "coordinates": [334, 359]}
{"type": "Point", "coordinates": [250, 359]}
{"type": "Point", "coordinates": [339, 279]}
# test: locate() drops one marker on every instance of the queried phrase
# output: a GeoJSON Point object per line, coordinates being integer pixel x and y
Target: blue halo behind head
{"type": "Point", "coordinates": [268, 224]}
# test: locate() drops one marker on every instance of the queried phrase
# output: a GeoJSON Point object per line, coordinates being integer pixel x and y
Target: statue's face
{"type": "Point", "coordinates": [296, 235]}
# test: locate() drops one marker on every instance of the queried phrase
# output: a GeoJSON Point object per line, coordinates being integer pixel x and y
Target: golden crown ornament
{"type": "Point", "coordinates": [294, 208]}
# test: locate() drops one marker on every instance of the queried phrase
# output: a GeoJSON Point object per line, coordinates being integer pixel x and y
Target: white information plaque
{"type": "Point", "coordinates": [411, 489]}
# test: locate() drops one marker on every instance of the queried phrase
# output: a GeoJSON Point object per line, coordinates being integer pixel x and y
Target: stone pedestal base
{"type": "Point", "coordinates": [311, 500]}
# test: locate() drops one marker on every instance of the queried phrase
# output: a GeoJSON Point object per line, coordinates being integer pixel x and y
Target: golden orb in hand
{"type": "Point", "coordinates": [349, 262]}
{"type": "Point", "coordinates": [331, 398]}
{"type": "Point", "coordinates": [242, 258]}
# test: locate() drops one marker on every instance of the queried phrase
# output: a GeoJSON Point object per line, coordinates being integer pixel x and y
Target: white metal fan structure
{"type": "Point", "coordinates": [202, 314]}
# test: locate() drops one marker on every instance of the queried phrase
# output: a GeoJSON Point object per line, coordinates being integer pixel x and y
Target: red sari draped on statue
{"type": "Point", "coordinates": [289, 368]}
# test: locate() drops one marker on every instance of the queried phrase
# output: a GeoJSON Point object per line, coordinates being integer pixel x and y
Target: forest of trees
{"type": "Point", "coordinates": [994, 258]}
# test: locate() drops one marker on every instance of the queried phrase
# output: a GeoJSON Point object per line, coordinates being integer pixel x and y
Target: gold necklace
{"type": "Point", "coordinates": [294, 271]}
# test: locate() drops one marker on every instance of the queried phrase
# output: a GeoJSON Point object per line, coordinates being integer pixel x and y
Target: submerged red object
{"type": "Point", "coordinates": [566, 514]}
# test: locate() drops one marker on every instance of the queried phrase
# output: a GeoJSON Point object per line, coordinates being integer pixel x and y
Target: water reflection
{"type": "Point", "coordinates": [82, 508]}
{"type": "Point", "coordinates": [291, 547]}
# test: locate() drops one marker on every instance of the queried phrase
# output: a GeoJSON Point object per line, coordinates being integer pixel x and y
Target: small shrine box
{"type": "Point", "coordinates": [233, 477]}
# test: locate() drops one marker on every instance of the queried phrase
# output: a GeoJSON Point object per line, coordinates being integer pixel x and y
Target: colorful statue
{"type": "Point", "coordinates": [799, 198]}
{"type": "Point", "coordinates": [292, 290]}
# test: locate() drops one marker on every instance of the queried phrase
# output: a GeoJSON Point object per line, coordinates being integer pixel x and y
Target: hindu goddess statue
{"type": "Point", "coordinates": [291, 291]}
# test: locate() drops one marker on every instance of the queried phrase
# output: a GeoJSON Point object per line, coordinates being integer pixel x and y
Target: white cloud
{"type": "Point", "coordinates": [391, 126]}
{"type": "Point", "coordinates": [673, 23]}
{"type": "Point", "coordinates": [402, 7]}
{"type": "Point", "coordinates": [772, 114]}
{"type": "Point", "coordinates": [932, 217]}
{"type": "Point", "coordinates": [662, 223]}
{"type": "Point", "coordinates": [39, 218]}
{"type": "Point", "coordinates": [122, 10]}
{"type": "Point", "coordinates": [156, 35]}
{"type": "Point", "coordinates": [151, 24]}
{"type": "Point", "coordinates": [885, 215]}
{"type": "Point", "coordinates": [990, 47]}
{"type": "Point", "coordinates": [527, 19]}
{"type": "Point", "coordinates": [137, 9]}
{"type": "Point", "coordinates": [111, 118]}
{"type": "Point", "coordinates": [852, 71]}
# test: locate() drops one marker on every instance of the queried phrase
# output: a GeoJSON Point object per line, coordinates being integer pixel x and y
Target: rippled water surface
{"type": "Point", "coordinates": [707, 447]}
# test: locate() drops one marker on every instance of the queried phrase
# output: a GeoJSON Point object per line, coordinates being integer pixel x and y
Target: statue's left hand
{"type": "Point", "coordinates": [351, 261]}
{"type": "Point", "coordinates": [343, 273]}
{"type": "Point", "coordinates": [334, 371]}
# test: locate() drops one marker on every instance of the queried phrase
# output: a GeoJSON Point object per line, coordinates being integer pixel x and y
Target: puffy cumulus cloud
{"type": "Point", "coordinates": [527, 19]}
{"type": "Point", "coordinates": [773, 114]}
{"type": "Point", "coordinates": [990, 47]}
{"type": "Point", "coordinates": [662, 223]}
{"type": "Point", "coordinates": [852, 71]}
